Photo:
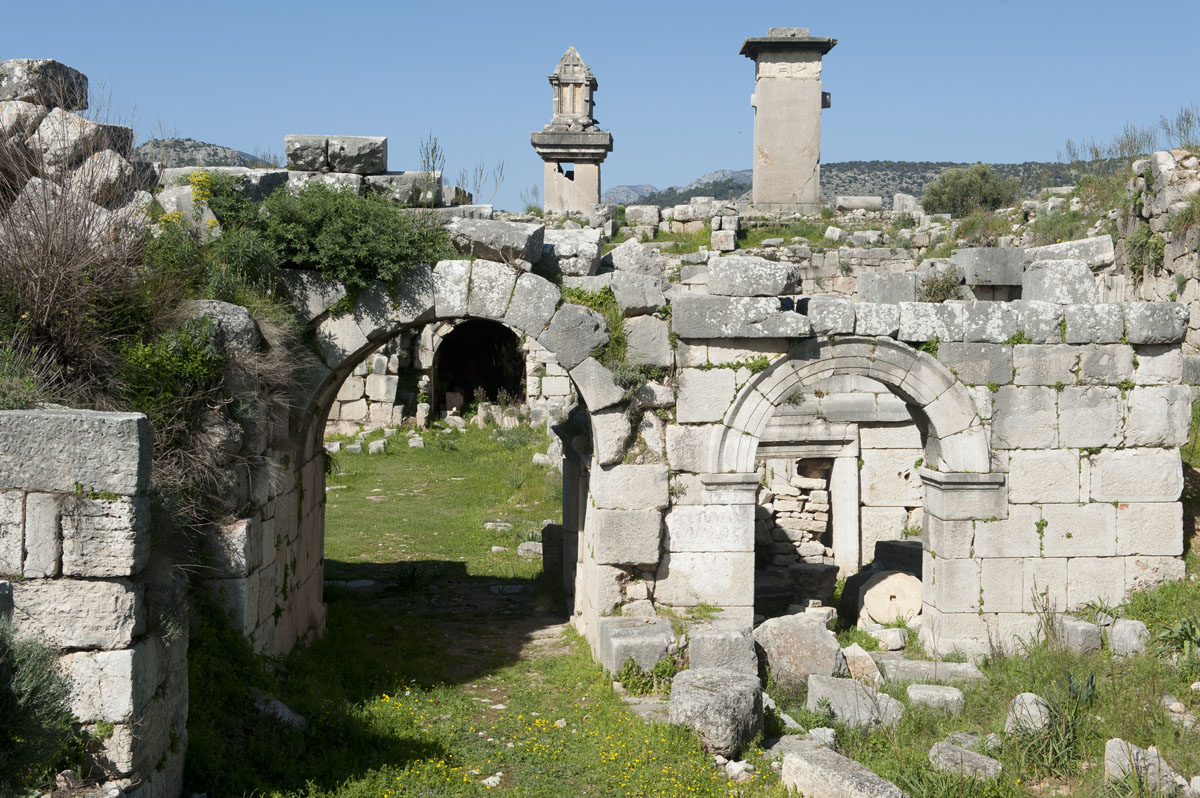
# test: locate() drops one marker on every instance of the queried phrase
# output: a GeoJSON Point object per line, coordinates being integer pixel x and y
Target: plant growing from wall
{"type": "Point", "coordinates": [941, 286]}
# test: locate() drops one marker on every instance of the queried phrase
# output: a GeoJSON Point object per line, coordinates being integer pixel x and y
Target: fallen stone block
{"type": "Point", "coordinates": [417, 189]}
{"type": "Point", "coordinates": [913, 670]}
{"type": "Point", "coordinates": [571, 252]}
{"type": "Point", "coordinates": [358, 155]}
{"type": "Point", "coordinates": [1027, 712]}
{"type": "Point", "coordinates": [796, 647]}
{"type": "Point", "coordinates": [1078, 636]}
{"type": "Point", "coordinates": [953, 759]}
{"type": "Point", "coordinates": [645, 641]}
{"type": "Point", "coordinates": [858, 203]}
{"type": "Point", "coordinates": [940, 697]}
{"type": "Point", "coordinates": [1096, 252]}
{"type": "Point", "coordinates": [723, 707]}
{"type": "Point", "coordinates": [504, 242]}
{"type": "Point", "coordinates": [1123, 760]}
{"type": "Point", "coordinates": [1126, 636]}
{"type": "Point", "coordinates": [853, 703]}
{"type": "Point", "coordinates": [45, 82]}
{"type": "Point", "coordinates": [746, 275]}
{"type": "Point", "coordinates": [306, 153]}
{"type": "Point", "coordinates": [821, 773]}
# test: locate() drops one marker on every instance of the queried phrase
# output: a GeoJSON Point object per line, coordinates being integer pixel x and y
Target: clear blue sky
{"type": "Point", "coordinates": [963, 81]}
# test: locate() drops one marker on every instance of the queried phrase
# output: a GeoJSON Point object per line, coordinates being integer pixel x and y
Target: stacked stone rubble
{"type": "Point", "coordinates": [793, 515]}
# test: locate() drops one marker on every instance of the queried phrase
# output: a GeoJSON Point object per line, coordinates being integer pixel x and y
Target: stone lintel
{"type": "Point", "coordinates": [734, 488]}
{"type": "Point", "coordinates": [960, 496]}
{"type": "Point", "coordinates": [589, 146]}
{"type": "Point", "coordinates": [755, 45]}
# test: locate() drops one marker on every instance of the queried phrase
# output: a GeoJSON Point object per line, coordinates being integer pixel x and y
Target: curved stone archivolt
{"type": "Point", "coordinates": [956, 440]}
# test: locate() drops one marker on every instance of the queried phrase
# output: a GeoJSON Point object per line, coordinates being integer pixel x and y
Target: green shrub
{"type": "Point", "coordinates": [958, 192]}
{"type": "Point", "coordinates": [613, 353]}
{"type": "Point", "coordinates": [351, 238]}
{"type": "Point", "coordinates": [1145, 250]}
{"type": "Point", "coordinates": [983, 228]}
{"type": "Point", "coordinates": [1181, 221]}
{"type": "Point", "coordinates": [941, 286]}
{"type": "Point", "coordinates": [1051, 228]}
{"type": "Point", "coordinates": [241, 259]}
{"type": "Point", "coordinates": [36, 725]}
{"type": "Point", "coordinates": [231, 207]}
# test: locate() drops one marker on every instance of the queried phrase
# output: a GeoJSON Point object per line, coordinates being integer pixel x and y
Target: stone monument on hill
{"type": "Point", "coordinates": [572, 145]}
{"type": "Point", "coordinates": [787, 104]}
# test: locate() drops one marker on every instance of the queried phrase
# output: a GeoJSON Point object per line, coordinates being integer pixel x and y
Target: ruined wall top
{"type": "Point", "coordinates": [786, 39]}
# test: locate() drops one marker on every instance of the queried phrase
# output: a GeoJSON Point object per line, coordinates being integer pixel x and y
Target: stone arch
{"type": "Point", "coordinates": [956, 441]}
{"type": "Point", "coordinates": [346, 331]}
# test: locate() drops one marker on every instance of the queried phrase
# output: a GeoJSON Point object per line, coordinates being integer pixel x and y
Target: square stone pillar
{"type": "Point", "coordinates": [844, 503]}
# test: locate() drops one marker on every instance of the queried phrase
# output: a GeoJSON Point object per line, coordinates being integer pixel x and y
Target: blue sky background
{"type": "Point", "coordinates": [962, 81]}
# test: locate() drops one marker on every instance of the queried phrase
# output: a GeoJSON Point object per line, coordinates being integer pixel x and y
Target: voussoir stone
{"type": "Point", "coordinates": [724, 707]}
{"type": "Point", "coordinates": [572, 252]}
{"type": "Point", "coordinates": [573, 333]}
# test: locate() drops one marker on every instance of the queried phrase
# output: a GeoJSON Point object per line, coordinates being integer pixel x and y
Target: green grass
{"type": "Point", "coordinates": [814, 232]}
{"type": "Point", "coordinates": [393, 693]}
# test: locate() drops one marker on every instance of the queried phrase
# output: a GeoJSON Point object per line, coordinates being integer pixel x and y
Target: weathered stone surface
{"type": "Point", "coordinates": [1044, 475]}
{"type": "Point", "coordinates": [1154, 528]}
{"type": "Point", "coordinates": [297, 180]}
{"type": "Point", "coordinates": [104, 537]}
{"type": "Point", "coordinates": [1147, 768]}
{"type": "Point", "coordinates": [1027, 712]}
{"type": "Point", "coordinates": [1099, 324]}
{"type": "Point", "coordinates": [831, 315]}
{"type": "Point", "coordinates": [709, 527]}
{"type": "Point", "coordinates": [102, 177]}
{"type": "Point", "coordinates": [626, 537]}
{"type": "Point", "coordinates": [1089, 417]}
{"type": "Point", "coordinates": [572, 252]}
{"type": "Point", "coordinates": [1137, 475]}
{"type": "Point", "coordinates": [1065, 282]}
{"type": "Point", "coordinates": [1127, 636]}
{"type": "Point", "coordinates": [978, 364]}
{"type": "Point", "coordinates": [924, 321]}
{"type": "Point", "coordinates": [620, 639]}
{"type": "Point", "coordinates": [876, 319]}
{"type": "Point", "coordinates": [821, 772]}
{"type": "Point", "coordinates": [197, 216]}
{"type": "Point", "coordinates": [359, 155]}
{"type": "Point", "coordinates": [1024, 417]}
{"type": "Point", "coordinates": [704, 395]}
{"type": "Point", "coordinates": [637, 293]}
{"type": "Point", "coordinates": [941, 697]}
{"type": "Point", "coordinates": [853, 703]}
{"type": "Point", "coordinates": [889, 596]}
{"type": "Point", "coordinates": [43, 81]}
{"type": "Point", "coordinates": [63, 139]}
{"type": "Point", "coordinates": [492, 286]}
{"type": "Point", "coordinates": [648, 342]}
{"type": "Point", "coordinates": [1078, 636]}
{"type": "Point", "coordinates": [989, 322]}
{"type": "Point", "coordinates": [702, 316]}
{"type": "Point", "coordinates": [990, 265]}
{"type": "Point", "coordinates": [18, 119]}
{"type": "Point", "coordinates": [687, 447]}
{"type": "Point", "coordinates": [859, 663]}
{"type": "Point", "coordinates": [595, 385]}
{"type": "Point", "coordinates": [76, 614]}
{"type": "Point", "coordinates": [1158, 416]}
{"type": "Point", "coordinates": [1155, 322]}
{"type": "Point", "coordinates": [642, 215]}
{"type": "Point", "coordinates": [1041, 321]}
{"type": "Point", "coordinates": [712, 645]}
{"type": "Point", "coordinates": [632, 256]}
{"type": "Point", "coordinates": [955, 759]}
{"type": "Point", "coordinates": [629, 487]}
{"type": "Point", "coordinates": [234, 330]}
{"type": "Point", "coordinates": [887, 288]}
{"type": "Point", "coordinates": [306, 153]}
{"type": "Point", "coordinates": [422, 191]}
{"type": "Point", "coordinates": [796, 647]}
{"type": "Point", "coordinates": [105, 452]}
{"type": "Point", "coordinates": [505, 242]}
{"type": "Point", "coordinates": [746, 275]}
{"type": "Point", "coordinates": [723, 579]}
{"type": "Point", "coordinates": [724, 707]}
{"type": "Point", "coordinates": [912, 670]}
{"type": "Point", "coordinates": [534, 301]}
{"type": "Point", "coordinates": [310, 293]}
{"type": "Point", "coordinates": [612, 432]}
{"type": "Point", "coordinates": [573, 333]}
{"type": "Point", "coordinates": [1094, 252]}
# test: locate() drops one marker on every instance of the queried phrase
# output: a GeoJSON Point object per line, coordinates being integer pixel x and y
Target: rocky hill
{"type": "Point", "coordinates": [189, 152]}
{"type": "Point", "coordinates": [880, 178]}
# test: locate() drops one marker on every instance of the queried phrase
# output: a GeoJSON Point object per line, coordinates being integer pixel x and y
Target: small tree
{"type": "Point", "coordinates": [958, 192]}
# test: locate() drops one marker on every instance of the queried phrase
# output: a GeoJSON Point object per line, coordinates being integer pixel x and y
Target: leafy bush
{"type": "Point", "coordinates": [983, 228]}
{"type": "Point", "coordinates": [958, 192]}
{"type": "Point", "coordinates": [639, 682]}
{"type": "Point", "coordinates": [1145, 250]}
{"type": "Point", "coordinates": [1181, 221]}
{"type": "Point", "coordinates": [354, 239]}
{"type": "Point", "coordinates": [36, 731]}
{"type": "Point", "coordinates": [941, 286]}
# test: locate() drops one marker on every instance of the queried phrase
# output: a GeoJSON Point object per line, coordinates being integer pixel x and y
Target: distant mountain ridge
{"type": "Point", "coordinates": [189, 152]}
{"type": "Point", "coordinates": [872, 178]}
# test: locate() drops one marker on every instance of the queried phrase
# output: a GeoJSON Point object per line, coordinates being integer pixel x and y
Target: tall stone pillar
{"type": "Point", "coordinates": [844, 501]}
{"type": "Point", "coordinates": [787, 104]}
{"type": "Point", "coordinates": [572, 145]}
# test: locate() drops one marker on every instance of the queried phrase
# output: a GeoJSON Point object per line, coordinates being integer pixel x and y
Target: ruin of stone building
{"type": "Point", "coordinates": [572, 145]}
{"type": "Point", "coordinates": [787, 103]}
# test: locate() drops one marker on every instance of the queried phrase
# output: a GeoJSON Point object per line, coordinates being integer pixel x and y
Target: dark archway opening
{"type": "Point", "coordinates": [478, 360]}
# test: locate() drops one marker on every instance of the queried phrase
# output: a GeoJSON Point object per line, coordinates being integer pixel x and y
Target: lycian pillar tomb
{"type": "Point", "coordinates": [787, 104]}
{"type": "Point", "coordinates": [572, 146]}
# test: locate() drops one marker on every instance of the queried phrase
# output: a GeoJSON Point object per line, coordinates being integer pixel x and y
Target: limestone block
{"type": "Point", "coordinates": [978, 364]}
{"type": "Point", "coordinates": [451, 282]}
{"type": "Point", "coordinates": [1154, 529]}
{"type": "Point", "coordinates": [1001, 583]}
{"type": "Point", "coordinates": [310, 293]}
{"type": "Point", "coordinates": [595, 384]}
{"type": "Point", "coordinates": [1044, 577]}
{"type": "Point", "coordinates": [504, 242]}
{"type": "Point", "coordinates": [797, 647]}
{"type": "Point", "coordinates": [18, 119]}
{"type": "Point", "coordinates": [1158, 416]}
{"type": "Point", "coordinates": [704, 395]}
{"type": "Point", "coordinates": [952, 585]}
{"type": "Point", "coordinates": [950, 539]}
{"type": "Point", "coordinates": [339, 338]}
{"type": "Point", "coordinates": [63, 139]}
{"type": "Point", "coordinates": [1137, 475]}
{"type": "Point", "coordinates": [1040, 321]}
{"type": "Point", "coordinates": [1015, 536]}
{"type": "Point", "coordinates": [724, 579]}
{"type": "Point", "coordinates": [353, 411]}
{"type": "Point", "coordinates": [625, 537]}
{"type": "Point", "coordinates": [637, 293]}
{"type": "Point", "coordinates": [12, 531]}
{"type": "Point", "coordinates": [820, 771]}
{"type": "Point", "coordinates": [831, 315]}
{"type": "Point", "coordinates": [746, 275]}
{"type": "Point", "coordinates": [571, 252]}
{"type": "Point", "coordinates": [43, 537]}
{"type": "Point", "coordinates": [306, 153]}
{"type": "Point", "coordinates": [1158, 365]}
{"type": "Point", "coordinates": [423, 189]}
{"type": "Point", "coordinates": [555, 386]}
{"type": "Point", "coordinates": [629, 487]}
{"type": "Point", "coordinates": [1065, 282]}
{"type": "Point", "coordinates": [703, 316]}
{"type": "Point", "coordinates": [989, 322]}
{"type": "Point", "coordinates": [854, 704]}
{"type": "Point", "coordinates": [888, 478]}
{"type": "Point", "coordinates": [297, 180]}
{"type": "Point", "coordinates": [111, 686]}
{"type": "Point", "coordinates": [235, 549]}
{"type": "Point", "coordinates": [887, 288]}
{"type": "Point", "coordinates": [724, 707]}
{"type": "Point", "coordinates": [632, 256]}
{"type": "Point", "coordinates": [103, 537]}
{"type": "Point", "coordinates": [382, 388]}
{"type": "Point", "coordinates": [940, 697]}
{"type": "Point", "coordinates": [890, 436]}
{"type": "Point", "coordinates": [924, 321]}
{"type": "Point", "coordinates": [1105, 365]}
{"type": "Point", "coordinates": [876, 319]}
{"type": "Point", "coordinates": [989, 266]}
{"type": "Point", "coordinates": [1095, 252]}
{"type": "Point", "coordinates": [45, 82]}
{"type": "Point", "coordinates": [1044, 365]}
{"type": "Point", "coordinates": [492, 287]}
{"type": "Point", "coordinates": [1095, 578]}
{"type": "Point", "coordinates": [75, 614]}
{"type": "Point", "coordinates": [1089, 417]}
{"type": "Point", "coordinates": [104, 452]}
{"type": "Point", "coordinates": [1155, 322]}
{"type": "Point", "coordinates": [534, 301]}
{"type": "Point", "coordinates": [710, 527]}
{"type": "Point", "coordinates": [712, 645]}
{"type": "Point", "coordinates": [1075, 530]}
{"type": "Point", "coordinates": [1094, 324]}
{"type": "Point", "coordinates": [1043, 475]}
{"type": "Point", "coordinates": [642, 215]}
{"type": "Point", "coordinates": [648, 340]}
{"type": "Point", "coordinates": [612, 432]}
{"type": "Point", "coordinates": [723, 240]}
{"type": "Point", "coordinates": [620, 639]}
{"type": "Point", "coordinates": [688, 447]}
{"type": "Point", "coordinates": [1143, 572]}
{"type": "Point", "coordinates": [352, 389]}
{"type": "Point", "coordinates": [359, 155]}
{"type": "Point", "coordinates": [102, 177]}
{"type": "Point", "coordinates": [573, 333]}
{"type": "Point", "coordinates": [1024, 417]}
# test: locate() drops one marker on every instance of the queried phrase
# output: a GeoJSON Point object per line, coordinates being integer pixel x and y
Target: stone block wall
{"type": "Point", "coordinates": [76, 541]}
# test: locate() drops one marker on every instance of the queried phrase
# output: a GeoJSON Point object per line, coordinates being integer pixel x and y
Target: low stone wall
{"type": "Point", "coordinates": [77, 538]}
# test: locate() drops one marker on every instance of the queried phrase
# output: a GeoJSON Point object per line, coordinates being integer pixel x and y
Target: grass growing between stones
{"type": "Point", "coordinates": [450, 669]}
